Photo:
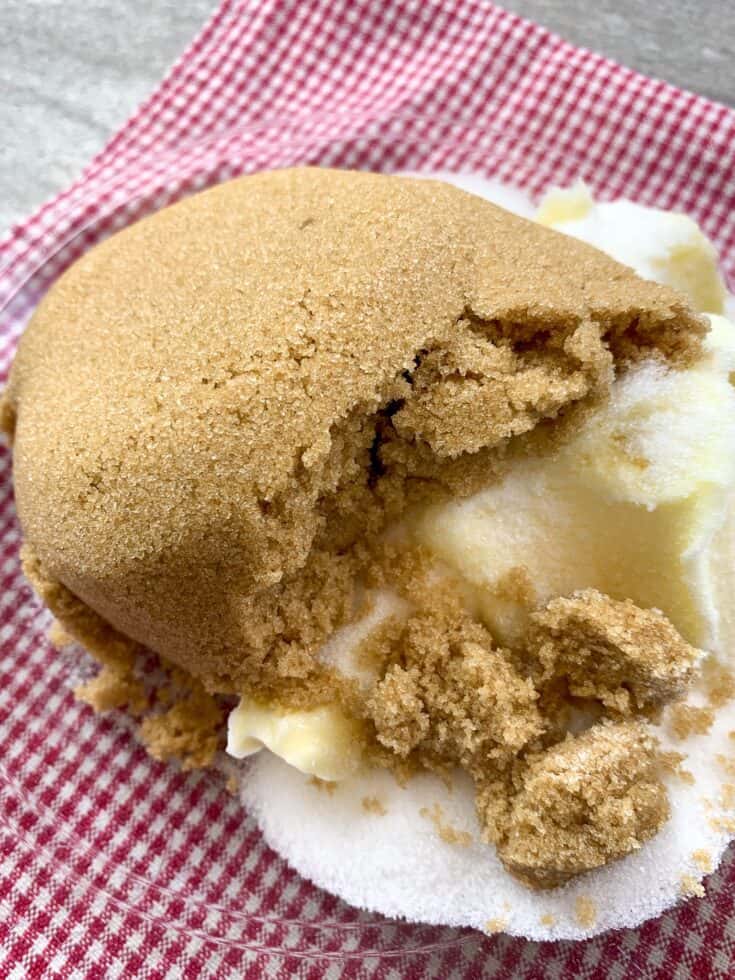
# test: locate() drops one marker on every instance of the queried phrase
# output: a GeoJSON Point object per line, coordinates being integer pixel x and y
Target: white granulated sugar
{"type": "Point", "coordinates": [411, 872]}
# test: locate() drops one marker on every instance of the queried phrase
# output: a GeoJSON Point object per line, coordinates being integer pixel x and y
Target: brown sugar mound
{"type": "Point", "coordinates": [587, 801]}
{"type": "Point", "coordinates": [211, 406]}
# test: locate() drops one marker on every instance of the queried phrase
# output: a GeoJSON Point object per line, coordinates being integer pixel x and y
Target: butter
{"type": "Point", "coordinates": [321, 741]}
{"type": "Point", "coordinates": [719, 345]}
{"type": "Point", "coordinates": [661, 245]}
{"type": "Point", "coordinates": [630, 506]}
{"type": "Point", "coordinates": [562, 204]}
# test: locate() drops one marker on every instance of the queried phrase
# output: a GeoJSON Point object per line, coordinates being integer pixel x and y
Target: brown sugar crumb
{"type": "Point", "coordinates": [448, 833]}
{"type": "Point", "coordinates": [371, 804]}
{"type": "Point", "coordinates": [727, 797]}
{"type": "Point", "coordinates": [727, 763]}
{"type": "Point", "coordinates": [58, 636]}
{"type": "Point", "coordinates": [686, 720]}
{"type": "Point", "coordinates": [626, 657]}
{"type": "Point", "coordinates": [495, 925]}
{"type": "Point", "coordinates": [7, 417]}
{"type": "Point", "coordinates": [547, 919]}
{"type": "Point", "coordinates": [450, 694]}
{"type": "Point", "coordinates": [483, 390]}
{"type": "Point", "coordinates": [691, 887]}
{"type": "Point", "coordinates": [189, 731]}
{"type": "Point", "coordinates": [585, 911]}
{"type": "Point", "coordinates": [582, 803]}
{"type": "Point", "coordinates": [703, 860]}
{"type": "Point", "coordinates": [723, 823]}
{"type": "Point", "coordinates": [719, 682]}
{"type": "Point", "coordinates": [671, 762]}
{"type": "Point", "coordinates": [232, 786]}
{"type": "Point", "coordinates": [323, 785]}
{"type": "Point", "coordinates": [517, 586]}
{"type": "Point", "coordinates": [401, 566]}
{"type": "Point", "coordinates": [113, 687]}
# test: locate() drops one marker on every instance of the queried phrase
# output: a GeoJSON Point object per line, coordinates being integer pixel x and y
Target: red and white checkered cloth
{"type": "Point", "coordinates": [112, 865]}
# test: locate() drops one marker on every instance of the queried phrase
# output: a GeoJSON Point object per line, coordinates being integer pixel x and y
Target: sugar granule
{"type": "Point", "coordinates": [727, 763]}
{"type": "Point", "coordinates": [686, 720]}
{"type": "Point", "coordinates": [719, 681]}
{"type": "Point", "coordinates": [58, 636]}
{"type": "Point", "coordinates": [323, 785]}
{"type": "Point", "coordinates": [703, 860]}
{"type": "Point", "coordinates": [726, 824]}
{"type": "Point", "coordinates": [448, 833]}
{"type": "Point", "coordinates": [585, 911]}
{"type": "Point", "coordinates": [691, 887]}
{"type": "Point", "coordinates": [371, 804]}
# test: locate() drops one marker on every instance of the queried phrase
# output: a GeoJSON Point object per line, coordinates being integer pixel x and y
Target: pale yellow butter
{"type": "Point", "coordinates": [662, 245]}
{"type": "Point", "coordinates": [322, 741]}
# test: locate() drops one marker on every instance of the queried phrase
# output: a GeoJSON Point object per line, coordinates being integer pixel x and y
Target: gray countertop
{"type": "Point", "coordinates": [71, 71]}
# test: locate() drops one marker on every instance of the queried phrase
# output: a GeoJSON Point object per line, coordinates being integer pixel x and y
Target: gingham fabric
{"type": "Point", "coordinates": [112, 865]}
